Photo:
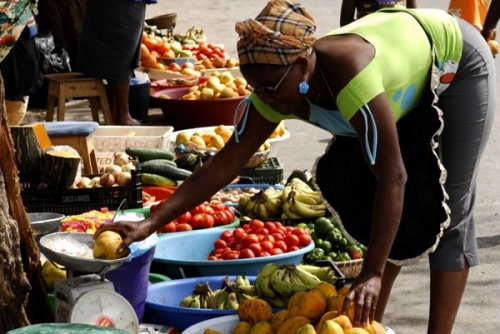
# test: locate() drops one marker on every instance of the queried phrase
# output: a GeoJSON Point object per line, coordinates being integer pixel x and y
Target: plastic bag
{"type": "Point", "coordinates": [54, 59]}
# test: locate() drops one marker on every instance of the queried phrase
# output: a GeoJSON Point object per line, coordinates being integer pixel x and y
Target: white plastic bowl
{"type": "Point", "coordinates": [275, 142]}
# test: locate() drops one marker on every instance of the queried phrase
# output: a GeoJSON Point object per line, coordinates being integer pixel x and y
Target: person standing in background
{"type": "Point", "coordinates": [491, 20]}
{"type": "Point", "coordinates": [110, 49]}
{"type": "Point", "coordinates": [356, 9]}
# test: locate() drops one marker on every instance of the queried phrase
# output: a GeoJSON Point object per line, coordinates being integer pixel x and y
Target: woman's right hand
{"type": "Point", "coordinates": [130, 232]}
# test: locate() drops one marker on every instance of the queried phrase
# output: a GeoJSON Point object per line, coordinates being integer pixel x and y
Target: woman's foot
{"type": "Point", "coordinates": [127, 121]}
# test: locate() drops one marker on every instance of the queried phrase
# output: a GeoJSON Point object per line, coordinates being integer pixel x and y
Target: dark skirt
{"type": "Point", "coordinates": [110, 43]}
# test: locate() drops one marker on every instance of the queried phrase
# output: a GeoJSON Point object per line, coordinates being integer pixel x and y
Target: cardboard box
{"type": "Point", "coordinates": [111, 139]}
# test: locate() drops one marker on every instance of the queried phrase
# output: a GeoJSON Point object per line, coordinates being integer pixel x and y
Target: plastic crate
{"type": "Point", "coordinates": [269, 172]}
{"type": "Point", "coordinates": [76, 201]}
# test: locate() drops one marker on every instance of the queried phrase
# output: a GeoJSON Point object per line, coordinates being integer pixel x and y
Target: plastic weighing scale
{"type": "Point", "coordinates": [88, 299]}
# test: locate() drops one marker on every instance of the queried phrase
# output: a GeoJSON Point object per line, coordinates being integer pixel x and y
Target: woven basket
{"type": "Point", "coordinates": [257, 159]}
{"type": "Point", "coordinates": [350, 269]}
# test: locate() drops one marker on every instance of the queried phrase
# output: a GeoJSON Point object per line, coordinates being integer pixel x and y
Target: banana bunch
{"type": "Point", "coordinates": [193, 35]}
{"type": "Point", "coordinates": [199, 298]}
{"type": "Point", "coordinates": [232, 293]}
{"type": "Point", "coordinates": [301, 201]}
{"type": "Point", "coordinates": [325, 274]}
{"type": "Point", "coordinates": [244, 290]}
{"type": "Point", "coordinates": [266, 204]}
{"type": "Point", "coordinates": [277, 283]}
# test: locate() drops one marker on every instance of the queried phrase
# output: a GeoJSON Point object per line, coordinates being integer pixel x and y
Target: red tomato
{"type": "Point", "coordinates": [280, 230]}
{"type": "Point", "coordinates": [278, 224]}
{"type": "Point", "coordinates": [202, 208]}
{"type": "Point", "coordinates": [291, 240]}
{"type": "Point", "coordinates": [256, 249]}
{"type": "Point", "coordinates": [246, 254]}
{"type": "Point", "coordinates": [264, 254]}
{"type": "Point", "coordinates": [246, 227]}
{"type": "Point", "coordinates": [293, 249]}
{"type": "Point", "coordinates": [239, 234]}
{"type": "Point", "coordinates": [205, 50]}
{"type": "Point", "coordinates": [263, 231]}
{"type": "Point", "coordinates": [278, 236]}
{"type": "Point", "coordinates": [226, 235]}
{"type": "Point", "coordinates": [270, 226]}
{"type": "Point", "coordinates": [276, 251]}
{"type": "Point", "coordinates": [183, 227]}
{"type": "Point", "coordinates": [233, 256]}
{"type": "Point", "coordinates": [231, 242]}
{"type": "Point", "coordinates": [266, 246]}
{"type": "Point", "coordinates": [248, 240]}
{"type": "Point", "coordinates": [202, 220]}
{"type": "Point", "coordinates": [289, 229]}
{"type": "Point", "coordinates": [168, 228]}
{"type": "Point", "coordinates": [261, 237]}
{"type": "Point", "coordinates": [304, 240]}
{"type": "Point", "coordinates": [281, 245]}
{"type": "Point", "coordinates": [219, 251]}
{"type": "Point", "coordinates": [185, 218]}
{"type": "Point", "coordinates": [298, 231]}
{"type": "Point", "coordinates": [230, 213]}
{"type": "Point", "coordinates": [217, 206]}
{"type": "Point", "coordinates": [256, 225]}
{"type": "Point", "coordinates": [219, 243]}
{"type": "Point", "coordinates": [221, 218]}
{"type": "Point", "coordinates": [212, 258]}
{"type": "Point", "coordinates": [269, 238]}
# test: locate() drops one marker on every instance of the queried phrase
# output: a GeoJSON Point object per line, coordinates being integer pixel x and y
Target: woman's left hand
{"type": "Point", "coordinates": [364, 294]}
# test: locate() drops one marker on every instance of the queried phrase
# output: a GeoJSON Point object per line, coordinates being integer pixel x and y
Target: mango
{"type": "Point", "coordinates": [106, 246]}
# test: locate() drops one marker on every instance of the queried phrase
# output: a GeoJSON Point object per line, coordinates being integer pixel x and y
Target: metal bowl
{"type": "Point", "coordinates": [73, 251]}
{"type": "Point", "coordinates": [45, 222]}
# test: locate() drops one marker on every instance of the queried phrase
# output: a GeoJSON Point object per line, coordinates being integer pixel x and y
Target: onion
{"type": "Point", "coordinates": [114, 170]}
{"type": "Point", "coordinates": [107, 180]}
{"type": "Point", "coordinates": [121, 159]}
{"type": "Point", "coordinates": [128, 167]}
{"type": "Point", "coordinates": [95, 180]}
{"type": "Point", "coordinates": [83, 183]}
{"type": "Point", "coordinates": [124, 178]}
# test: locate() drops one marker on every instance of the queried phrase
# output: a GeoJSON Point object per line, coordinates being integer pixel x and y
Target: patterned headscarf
{"type": "Point", "coordinates": [281, 33]}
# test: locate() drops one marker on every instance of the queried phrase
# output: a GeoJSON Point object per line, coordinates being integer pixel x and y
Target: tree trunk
{"type": "Point", "coordinates": [65, 19]}
{"type": "Point", "coordinates": [23, 295]}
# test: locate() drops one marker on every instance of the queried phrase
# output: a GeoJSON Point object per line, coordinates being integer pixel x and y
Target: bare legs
{"type": "Point", "coordinates": [118, 103]}
{"type": "Point", "coordinates": [447, 288]}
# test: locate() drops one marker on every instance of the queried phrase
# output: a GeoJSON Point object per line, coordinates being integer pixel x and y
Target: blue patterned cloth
{"type": "Point", "coordinates": [148, 2]}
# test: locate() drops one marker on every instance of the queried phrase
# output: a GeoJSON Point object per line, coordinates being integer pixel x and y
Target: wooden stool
{"type": "Point", "coordinates": [78, 135]}
{"type": "Point", "coordinates": [66, 85]}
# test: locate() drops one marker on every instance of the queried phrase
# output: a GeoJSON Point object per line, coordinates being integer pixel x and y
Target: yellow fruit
{"type": "Point", "coordinates": [327, 316]}
{"type": "Point", "coordinates": [207, 93]}
{"type": "Point", "coordinates": [207, 136]}
{"type": "Point", "coordinates": [267, 145]}
{"type": "Point", "coordinates": [239, 81]}
{"type": "Point", "coordinates": [326, 289]}
{"type": "Point", "coordinates": [356, 330]}
{"type": "Point", "coordinates": [226, 93]}
{"type": "Point", "coordinates": [330, 327]}
{"type": "Point", "coordinates": [214, 83]}
{"type": "Point", "coordinates": [377, 328]}
{"type": "Point", "coordinates": [198, 141]}
{"type": "Point", "coordinates": [493, 47]}
{"type": "Point", "coordinates": [254, 310]}
{"type": "Point", "coordinates": [278, 319]}
{"type": "Point", "coordinates": [292, 325]}
{"type": "Point", "coordinates": [195, 88]}
{"type": "Point", "coordinates": [294, 303]}
{"type": "Point", "coordinates": [211, 331]}
{"type": "Point", "coordinates": [225, 76]}
{"type": "Point", "coordinates": [343, 321]}
{"type": "Point", "coordinates": [262, 327]}
{"type": "Point", "coordinates": [217, 142]}
{"type": "Point", "coordinates": [242, 328]}
{"type": "Point", "coordinates": [306, 329]}
{"type": "Point", "coordinates": [181, 138]}
{"type": "Point", "coordinates": [106, 245]}
{"type": "Point", "coordinates": [226, 135]}
{"type": "Point", "coordinates": [220, 129]}
{"type": "Point", "coordinates": [51, 274]}
{"type": "Point", "coordinates": [312, 305]}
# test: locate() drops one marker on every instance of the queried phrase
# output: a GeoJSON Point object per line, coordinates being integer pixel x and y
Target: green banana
{"type": "Point", "coordinates": [307, 278]}
{"type": "Point", "coordinates": [248, 290]}
{"type": "Point", "coordinates": [240, 281]}
{"type": "Point", "coordinates": [186, 302]}
{"type": "Point", "coordinates": [323, 273]}
{"type": "Point", "coordinates": [242, 202]}
{"type": "Point", "coordinates": [285, 193]}
{"type": "Point", "coordinates": [262, 284]}
{"type": "Point", "coordinates": [232, 301]}
{"type": "Point", "coordinates": [221, 299]}
{"type": "Point", "coordinates": [306, 210]}
{"type": "Point", "coordinates": [263, 213]}
{"type": "Point", "coordinates": [287, 210]}
{"type": "Point", "coordinates": [278, 283]}
{"type": "Point", "coordinates": [243, 296]}
{"type": "Point", "coordinates": [195, 302]}
{"type": "Point", "coordinates": [277, 302]}
{"type": "Point", "coordinates": [247, 281]}
{"type": "Point", "coordinates": [212, 301]}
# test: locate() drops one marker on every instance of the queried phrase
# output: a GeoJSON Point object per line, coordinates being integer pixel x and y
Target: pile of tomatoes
{"type": "Point", "coordinates": [259, 239]}
{"type": "Point", "coordinates": [204, 51]}
{"type": "Point", "coordinates": [205, 215]}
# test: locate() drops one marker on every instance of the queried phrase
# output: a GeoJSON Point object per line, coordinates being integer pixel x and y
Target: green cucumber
{"type": "Point", "coordinates": [164, 168]}
{"type": "Point", "coordinates": [149, 153]}
{"type": "Point", "coordinates": [157, 180]}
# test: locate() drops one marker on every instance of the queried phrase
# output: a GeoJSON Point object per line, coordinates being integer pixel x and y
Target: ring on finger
{"type": "Point", "coordinates": [368, 301]}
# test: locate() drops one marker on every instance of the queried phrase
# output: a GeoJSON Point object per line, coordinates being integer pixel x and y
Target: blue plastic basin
{"type": "Point", "coordinates": [162, 303]}
{"type": "Point", "coordinates": [185, 255]}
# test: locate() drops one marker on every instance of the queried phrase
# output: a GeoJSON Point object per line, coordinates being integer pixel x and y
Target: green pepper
{"type": "Point", "coordinates": [323, 226]}
{"type": "Point", "coordinates": [325, 245]}
{"type": "Point", "coordinates": [334, 236]}
{"type": "Point", "coordinates": [333, 255]}
{"type": "Point", "coordinates": [311, 226]}
{"type": "Point", "coordinates": [343, 244]}
{"type": "Point", "coordinates": [335, 223]}
{"type": "Point", "coordinates": [314, 237]}
{"type": "Point", "coordinates": [302, 225]}
{"type": "Point", "coordinates": [344, 256]}
{"type": "Point", "coordinates": [355, 252]}
{"type": "Point", "coordinates": [315, 255]}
